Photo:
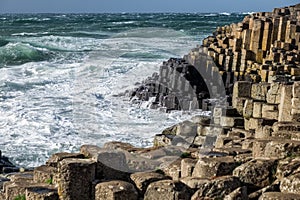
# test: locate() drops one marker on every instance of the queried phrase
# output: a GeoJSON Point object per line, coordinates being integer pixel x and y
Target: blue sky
{"type": "Point", "coordinates": [101, 6]}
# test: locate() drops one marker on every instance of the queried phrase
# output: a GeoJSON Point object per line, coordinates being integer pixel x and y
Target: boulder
{"type": "Point", "coordinates": [259, 91]}
{"type": "Point", "coordinates": [209, 167]}
{"type": "Point", "coordinates": [296, 89]}
{"type": "Point", "coordinates": [194, 182]}
{"type": "Point", "coordinates": [15, 189]}
{"type": "Point", "coordinates": [257, 173]}
{"type": "Point", "coordinates": [56, 158]}
{"type": "Point", "coordinates": [238, 194]}
{"type": "Point", "coordinates": [115, 190]}
{"type": "Point", "coordinates": [217, 188]}
{"type": "Point", "coordinates": [112, 165]}
{"type": "Point", "coordinates": [143, 179]}
{"type": "Point", "coordinates": [291, 184]}
{"type": "Point", "coordinates": [90, 151]}
{"type": "Point", "coordinates": [167, 190]}
{"type": "Point", "coordinates": [75, 177]}
{"type": "Point", "coordinates": [45, 174]}
{"type": "Point", "coordinates": [173, 170]}
{"type": "Point", "coordinates": [276, 148]}
{"type": "Point", "coordinates": [22, 176]}
{"type": "Point", "coordinates": [187, 167]}
{"type": "Point", "coordinates": [274, 93]}
{"type": "Point", "coordinates": [287, 167]}
{"type": "Point", "coordinates": [41, 192]}
{"type": "Point", "coordinates": [279, 196]}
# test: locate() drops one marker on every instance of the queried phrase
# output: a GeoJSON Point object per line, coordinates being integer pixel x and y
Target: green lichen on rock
{"type": "Point", "coordinates": [20, 197]}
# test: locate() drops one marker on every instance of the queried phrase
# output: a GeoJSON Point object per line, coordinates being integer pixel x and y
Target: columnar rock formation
{"type": "Point", "coordinates": [263, 48]}
{"type": "Point", "coordinates": [253, 90]}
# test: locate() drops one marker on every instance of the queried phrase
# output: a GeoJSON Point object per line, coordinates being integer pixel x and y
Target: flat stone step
{"type": "Point", "coordinates": [209, 167]}
{"type": "Point", "coordinates": [279, 196]}
{"type": "Point", "coordinates": [277, 148]}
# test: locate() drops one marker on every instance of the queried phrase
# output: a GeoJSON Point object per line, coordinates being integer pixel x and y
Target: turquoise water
{"type": "Point", "coordinates": [61, 76]}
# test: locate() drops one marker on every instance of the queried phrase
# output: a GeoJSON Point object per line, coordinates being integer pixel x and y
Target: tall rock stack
{"type": "Point", "coordinates": [263, 48]}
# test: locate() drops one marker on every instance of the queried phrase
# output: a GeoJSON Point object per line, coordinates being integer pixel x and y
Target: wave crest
{"type": "Point", "coordinates": [19, 53]}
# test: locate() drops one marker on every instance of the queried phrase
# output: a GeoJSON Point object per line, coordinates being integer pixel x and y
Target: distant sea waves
{"type": "Point", "coordinates": [60, 74]}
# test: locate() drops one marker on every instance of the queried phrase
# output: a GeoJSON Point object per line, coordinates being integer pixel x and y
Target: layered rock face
{"type": "Point", "coordinates": [249, 148]}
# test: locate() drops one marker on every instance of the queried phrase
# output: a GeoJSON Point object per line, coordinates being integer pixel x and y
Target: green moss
{"type": "Point", "coordinates": [20, 197]}
{"type": "Point", "coordinates": [160, 171]}
{"type": "Point", "coordinates": [185, 155]}
{"type": "Point", "coordinates": [50, 181]}
{"type": "Point", "coordinates": [170, 130]}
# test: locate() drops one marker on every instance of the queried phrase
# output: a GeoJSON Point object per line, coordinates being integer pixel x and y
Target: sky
{"type": "Point", "coordinates": [117, 6]}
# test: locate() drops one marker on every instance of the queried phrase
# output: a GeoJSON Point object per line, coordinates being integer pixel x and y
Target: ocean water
{"type": "Point", "coordinates": [61, 76]}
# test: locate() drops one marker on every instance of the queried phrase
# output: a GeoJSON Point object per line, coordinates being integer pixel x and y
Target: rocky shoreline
{"type": "Point", "coordinates": [248, 75]}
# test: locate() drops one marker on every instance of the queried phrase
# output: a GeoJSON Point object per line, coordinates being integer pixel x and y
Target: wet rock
{"type": "Point", "coordinates": [7, 170]}
{"type": "Point", "coordinates": [6, 166]}
{"type": "Point", "coordinates": [2, 181]}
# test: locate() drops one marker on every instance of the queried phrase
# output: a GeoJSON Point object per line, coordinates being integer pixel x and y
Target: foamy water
{"type": "Point", "coordinates": [60, 76]}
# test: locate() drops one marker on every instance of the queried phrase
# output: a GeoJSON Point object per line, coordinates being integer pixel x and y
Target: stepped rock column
{"type": "Point", "coordinates": [246, 38]}
{"type": "Point", "coordinates": [285, 106]}
{"type": "Point", "coordinates": [266, 42]}
{"type": "Point", "coordinates": [296, 101]}
{"type": "Point", "coordinates": [256, 35]}
{"type": "Point", "coordinates": [275, 29]}
{"type": "Point", "coordinates": [75, 179]}
{"type": "Point", "coordinates": [282, 28]}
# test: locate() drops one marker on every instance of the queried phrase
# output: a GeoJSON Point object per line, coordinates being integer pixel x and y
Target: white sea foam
{"type": "Point", "coordinates": [124, 22]}
{"type": "Point", "coordinates": [225, 13]}
{"type": "Point", "coordinates": [247, 13]}
{"type": "Point", "coordinates": [53, 106]}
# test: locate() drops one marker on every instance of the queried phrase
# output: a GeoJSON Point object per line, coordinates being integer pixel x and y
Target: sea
{"type": "Point", "coordinates": [61, 76]}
